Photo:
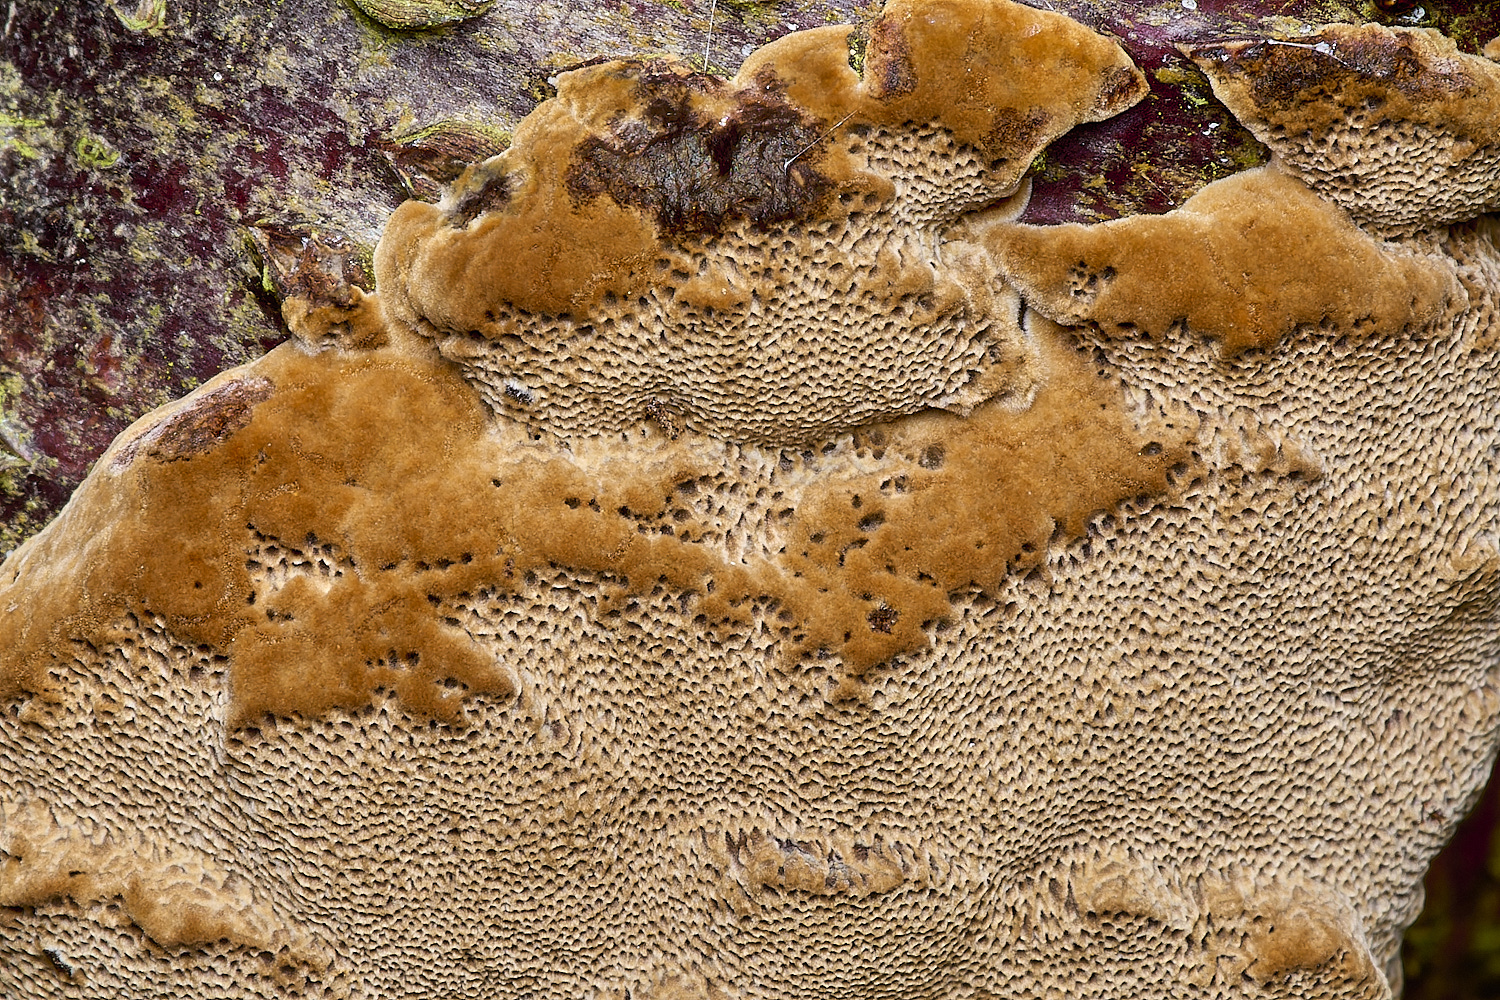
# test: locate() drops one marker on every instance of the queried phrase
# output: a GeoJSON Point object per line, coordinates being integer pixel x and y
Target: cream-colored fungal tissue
{"type": "Point", "coordinates": [731, 556]}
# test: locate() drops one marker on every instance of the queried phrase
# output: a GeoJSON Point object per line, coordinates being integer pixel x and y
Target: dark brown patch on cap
{"type": "Point", "coordinates": [209, 420]}
{"type": "Point", "coordinates": [1015, 129]}
{"type": "Point", "coordinates": [202, 424]}
{"type": "Point", "coordinates": [889, 69]}
{"type": "Point", "coordinates": [695, 174]}
{"type": "Point", "coordinates": [1285, 73]}
{"type": "Point", "coordinates": [1122, 88]}
{"type": "Point", "coordinates": [489, 196]}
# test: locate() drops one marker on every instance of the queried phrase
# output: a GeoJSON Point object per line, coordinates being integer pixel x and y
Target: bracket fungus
{"type": "Point", "coordinates": [730, 555]}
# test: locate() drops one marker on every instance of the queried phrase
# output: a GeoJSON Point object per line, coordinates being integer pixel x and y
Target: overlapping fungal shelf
{"type": "Point", "coordinates": [731, 555]}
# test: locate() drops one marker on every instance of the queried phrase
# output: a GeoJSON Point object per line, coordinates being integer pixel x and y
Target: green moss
{"type": "Point", "coordinates": [420, 15]}
{"type": "Point", "coordinates": [94, 153]}
{"type": "Point", "coordinates": [148, 15]}
{"type": "Point", "coordinates": [1469, 25]}
{"type": "Point", "coordinates": [16, 530]}
{"type": "Point", "coordinates": [764, 12]}
{"type": "Point", "coordinates": [26, 150]}
{"type": "Point", "coordinates": [443, 130]}
{"type": "Point", "coordinates": [1244, 151]}
{"type": "Point", "coordinates": [11, 122]}
{"type": "Point", "coordinates": [246, 322]}
{"type": "Point", "coordinates": [1190, 82]}
{"type": "Point", "coordinates": [16, 453]}
{"type": "Point", "coordinates": [859, 41]}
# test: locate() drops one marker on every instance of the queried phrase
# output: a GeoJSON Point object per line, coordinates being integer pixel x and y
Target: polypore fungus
{"type": "Point", "coordinates": [731, 556]}
{"type": "Point", "coordinates": [770, 258]}
{"type": "Point", "coordinates": [1404, 132]}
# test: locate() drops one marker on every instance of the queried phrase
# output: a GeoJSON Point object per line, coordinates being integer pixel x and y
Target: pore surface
{"type": "Point", "coordinates": [731, 557]}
